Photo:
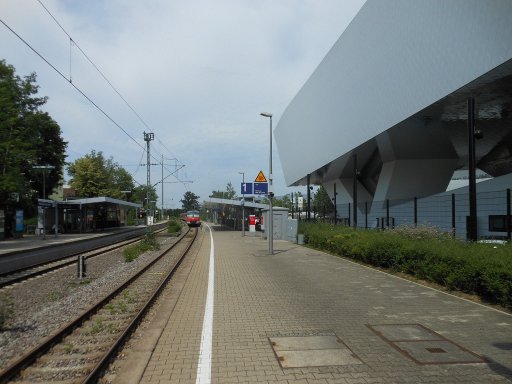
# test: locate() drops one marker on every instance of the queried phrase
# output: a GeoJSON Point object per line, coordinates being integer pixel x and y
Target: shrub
{"type": "Point", "coordinates": [173, 226]}
{"type": "Point", "coordinates": [426, 253]}
{"type": "Point", "coordinates": [132, 252]}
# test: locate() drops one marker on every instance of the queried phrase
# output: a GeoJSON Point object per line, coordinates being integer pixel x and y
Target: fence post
{"type": "Point", "coordinates": [308, 214]}
{"type": "Point", "coordinates": [472, 221]}
{"type": "Point", "coordinates": [415, 211]}
{"type": "Point", "coordinates": [387, 213]}
{"type": "Point", "coordinates": [366, 215]}
{"type": "Point", "coordinates": [293, 211]}
{"type": "Point", "coordinates": [349, 214]}
{"type": "Point", "coordinates": [335, 209]}
{"type": "Point", "coordinates": [509, 217]}
{"type": "Point", "coordinates": [355, 191]}
{"type": "Point", "coordinates": [453, 215]}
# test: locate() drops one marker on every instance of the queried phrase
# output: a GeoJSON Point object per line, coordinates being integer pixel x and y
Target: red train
{"type": "Point", "coordinates": [192, 218]}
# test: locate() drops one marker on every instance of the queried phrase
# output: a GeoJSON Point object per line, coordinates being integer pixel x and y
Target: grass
{"type": "Point", "coordinates": [148, 244]}
{"type": "Point", "coordinates": [6, 309]}
{"type": "Point", "coordinates": [117, 308]}
{"type": "Point", "coordinates": [425, 253]}
{"type": "Point", "coordinates": [68, 347]}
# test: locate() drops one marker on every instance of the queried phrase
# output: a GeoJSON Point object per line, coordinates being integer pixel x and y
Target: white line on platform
{"type": "Point", "coordinates": [204, 364]}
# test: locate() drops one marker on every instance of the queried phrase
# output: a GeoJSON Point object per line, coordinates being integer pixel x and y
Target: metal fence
{"type": "Point", "coordinates": [447, 212]}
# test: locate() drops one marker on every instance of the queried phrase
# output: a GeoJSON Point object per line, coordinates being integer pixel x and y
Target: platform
{"type": "Point", "coordinates": [304, 316]}
{"type": "Point", "coordinates": [31, 241]}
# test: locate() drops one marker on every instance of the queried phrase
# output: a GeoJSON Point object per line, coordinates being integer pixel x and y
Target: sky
{"type": "Point", "coordinates": [196, 73]}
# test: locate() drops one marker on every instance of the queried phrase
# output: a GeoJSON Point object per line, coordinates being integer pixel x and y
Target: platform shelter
{"type": "Point", "coordinates": [83, 215]}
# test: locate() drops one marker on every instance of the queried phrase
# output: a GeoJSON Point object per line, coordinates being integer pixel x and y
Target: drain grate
{"type": "Point", "coordinates": [312, 351]}
{"type": "Point", "coordinates": [423, 345]}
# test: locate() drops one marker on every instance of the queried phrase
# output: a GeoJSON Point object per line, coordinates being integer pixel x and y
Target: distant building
{"type": "Point", "coordinates": [68, 192]}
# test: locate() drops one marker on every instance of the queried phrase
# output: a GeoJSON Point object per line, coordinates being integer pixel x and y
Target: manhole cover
{"type": "Point", "coordinates": [423, 345]}
{"type": "Point", "coordinates": [312, 351]}
{"type": "Point", "coordinates": [405, 332]}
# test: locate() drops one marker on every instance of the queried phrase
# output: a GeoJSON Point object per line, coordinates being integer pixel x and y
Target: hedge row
{"type": "Point", "coordinates": [481, 269]}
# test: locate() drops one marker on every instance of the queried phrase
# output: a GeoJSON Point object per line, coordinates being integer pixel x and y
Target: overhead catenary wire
{"type": "Point", "coordinates": [76, 88]}
{"type": "Point", "coordinates": [75, 44]}
{"type": "Point", "coordinates": [95, 67]}
{"type": "Point", "coordinates": [72, 43]}
{"type": "Point", "coordinates": [73, 85]}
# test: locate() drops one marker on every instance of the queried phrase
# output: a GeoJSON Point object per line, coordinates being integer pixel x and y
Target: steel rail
{"type": "Point", "coordinates": [100, 367]}
{"type": "Point", "coordinates": [17, 366]}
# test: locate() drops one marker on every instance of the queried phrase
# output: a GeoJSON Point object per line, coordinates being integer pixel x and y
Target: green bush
{"type": "Point", "coordinates": [173, 226]}
{"type": "Point", "coordinates": [426, 253]}
{"type": "Point", "coordinates": [132, 252]}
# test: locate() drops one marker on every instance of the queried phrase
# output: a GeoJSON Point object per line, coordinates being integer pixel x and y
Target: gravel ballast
{"type": "Point", "coordinates": [44, 304]}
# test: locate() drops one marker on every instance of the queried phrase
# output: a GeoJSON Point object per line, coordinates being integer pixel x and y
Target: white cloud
{"type": "Point", "coordinates": [198, 72]}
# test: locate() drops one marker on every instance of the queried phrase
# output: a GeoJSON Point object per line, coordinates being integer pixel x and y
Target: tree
{"type": "Point", "coordinates": [229, 193]}
{"type": "Point", "coordinates": [139, 195]}
{"type": "Point", "coordinates": [28, 137]}
{"type": "Point", "coordinates": [190, 201]}
{"type": "Point", "coordinates": [93, 175]}
{"type": "Point", "coordinates": [322, 202]}
{"type": "Point", "coordinates": [282, 202]}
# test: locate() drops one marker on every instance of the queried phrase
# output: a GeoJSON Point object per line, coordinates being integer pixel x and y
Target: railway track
{"type": "Point", "coordinates": [18, 276]}
{"type": "Point", "coordinates": [81, 350]}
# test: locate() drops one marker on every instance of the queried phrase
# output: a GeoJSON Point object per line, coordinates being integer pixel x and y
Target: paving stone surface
{"type": "Point", "coordinates": [299, 292]}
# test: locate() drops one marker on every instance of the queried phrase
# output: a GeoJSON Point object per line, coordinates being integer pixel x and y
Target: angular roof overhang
{"type": "Point", "coordinates": [393, 91]}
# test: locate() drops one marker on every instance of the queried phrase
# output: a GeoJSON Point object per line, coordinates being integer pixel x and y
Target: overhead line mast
{"type": "Point", "coordinates": [147, 138]}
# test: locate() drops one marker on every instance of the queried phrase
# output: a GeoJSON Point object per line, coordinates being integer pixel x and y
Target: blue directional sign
{"type": "Point", "coordinates": [261, 188]}
{"type": "Point", "coordinates": [246, 188]}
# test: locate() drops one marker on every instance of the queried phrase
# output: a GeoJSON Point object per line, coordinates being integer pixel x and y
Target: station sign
{"type": "Point", "coordinates": [68, 206]}
{"type": "Point", "coordinates": [45, 203]}
{"type": "Point", "coordinates": [246, 188]}
{"type": "Point", "coordinates": [261, 188]}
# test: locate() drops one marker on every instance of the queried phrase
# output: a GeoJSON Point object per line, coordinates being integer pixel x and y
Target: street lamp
{"type": "Point", "coordinates": [270, 193]}
{"type": "Point", "coordinates": [45, 168]}
{"type": "Point", "coordinates": [243, 204]}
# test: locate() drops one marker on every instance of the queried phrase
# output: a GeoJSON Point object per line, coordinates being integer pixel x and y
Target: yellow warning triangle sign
{"type": "Point", "coordinates": [260, 178]}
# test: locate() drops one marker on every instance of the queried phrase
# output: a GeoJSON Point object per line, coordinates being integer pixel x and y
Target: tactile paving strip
{"type": "Point", "coordinates": [423, 345]}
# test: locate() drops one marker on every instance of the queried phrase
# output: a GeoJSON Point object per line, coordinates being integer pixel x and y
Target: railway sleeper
{"type": "Point", "coordinates": [116, 315]}
{"type": "Point", "coordinates": [65, 360]}
{"type": "Point", "coordinates": [49, 374]}
{"type": "Point", "coordinates": [78, 348]}
{"type": "Point", "coordinates": [69, 381]}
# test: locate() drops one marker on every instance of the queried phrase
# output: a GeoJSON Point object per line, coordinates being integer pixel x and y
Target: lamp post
{"type": "Point", "coordinates": [243, 204]}
{"type": "Point", "coordinates": [270, 193]}
{"type": "Point", "coordinates": [126, 209]}
{"type": "Point", "coordinates": [44, 168]}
